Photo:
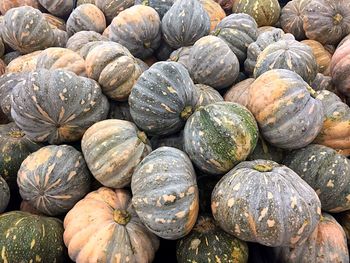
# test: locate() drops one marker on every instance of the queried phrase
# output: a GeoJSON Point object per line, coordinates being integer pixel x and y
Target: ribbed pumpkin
{"type": "Point", "coordinates": [57, 106]}
{"type": "Point", "coordinates": [80, 39]}
{"type": "Point", "coordinates": [181, 55]}
{"type": "Point", "coordinates": [288, 54]}
{"type": "Point", "coordinates": [81, 2]}
{"type": "Point", "coordinates": [264, 29]}
{"type": "Point", "coordinates": [84, 51]}
{"type": "Point", "coordinates": [207, 95]}
{"type": "Point", "coordinates": [265, 12]}
{"type": "Point", "coordinates": [6, 5]}
{"type": "Point", "coordinates": [288, 117]}
{"type": "Point", "coordinates": [163, 98]}
{"type": "Point", "coordinates": [335, 131]}
{"type": "Point", "coordinates": [238, 93]}
{"type": "Point", "coordinates": [209, 243]}
{"type": "Point", "coordinates": [247, 203]}
{"type": "Point", "coordinates": [4, 195]}
{"type": "Point", "coordinates": [26, 30]}
{"type": "Point", "coordinates": [265, 151]}
{"type": "Point", "coordinates": [86, 17]}
{"type": "Point", "coordinates": [194, 23]}
{"type": "Point", "coordinates": [111, 229]}
{"type": "Point", "coordinates": [292, 18]}
{"type": "Point", "coordinates": [55, 22]}
{"type": "Point", "coordinates": [340, 69]}
{"type": "Point", "coordinates": [25, 237]}
{"type": "Point", "coordinates": [220, 135]}
{"type": "Point", "coordinates": [323, 57]}
{"type": "Point", "coordinates": [174, 140]}
{"type": "Point", "coordinates": [212, 62]}
{"type": "Point", "coordinates": [214, 11]}
{"type": "Point", "coordinates": [58, 7]}
{"type": "Point", "coordinates": [119, 110]}
{"type": "Point", "coordinates": [165, 193]}
{"type": "Point", "coordinates": [111, 8]}
{"type": "Point", "coordinates": [25, 63]}
{"type": "Point", "coordinates": [347, 37]}
{"type": "Point", "coordinates": [161, 6]}
{"type": "Point", "coordinates": [53, 179]}
{"type": "Point", "coordinates": [238, 31]}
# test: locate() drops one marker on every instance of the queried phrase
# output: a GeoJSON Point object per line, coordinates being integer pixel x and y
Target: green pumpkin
{"type": "Point", "coordinates": [209, 243]}
{"type": "Point", "coordinates": [4, 194]}
{"type": "Point", "coordinates": [25, 237]}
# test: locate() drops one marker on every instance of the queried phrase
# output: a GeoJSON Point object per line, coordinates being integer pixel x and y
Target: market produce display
{"type": "Point", "coordinates": [189, 131]}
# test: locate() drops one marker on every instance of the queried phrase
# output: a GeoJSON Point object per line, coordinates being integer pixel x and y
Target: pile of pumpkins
{"type": "Point", "coordinates": [223, 126]}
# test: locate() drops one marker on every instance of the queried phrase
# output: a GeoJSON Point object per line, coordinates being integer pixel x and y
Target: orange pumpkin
{"type": "Point", "coordinates": [239, 92]}
{"type": "Point", "coordinates": [215, 12]}
{"type": "Point", "coordinates": [323, 57]}
{"type": "Point", "coordinates": [6, 5]}
{"type": "Point", "coordinates": [25, 63]}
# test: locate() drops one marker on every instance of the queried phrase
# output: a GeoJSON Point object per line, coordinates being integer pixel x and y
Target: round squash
{"type": "Point", "coordinates": [55, 22]}
{"type": "Point", "coordinates": [25, 63]}
{"type": "Point", "coordinates": [161, 6]}
{"type": "Point", "coordinates": [207, 95]}
{"type": "Point", "coordinates": [288, 117]}
{"type": "Point", "coordinates": [81, 2]}
{"type": "Point", "coordinates": [340, 68]}
{"type": "Point", "coordinates": [214, 11]}
{"type": "Point", "coordinates": [111, 230]}
{"type": "Point", "coordinates": [60, 8]}
{"type": "Point", "coordinates": [163, 98]}
{"type": "Point", "coordinates": [53, 179]}
{"type": "Point", "coordinates": [57, 106]}
{"type": "Point", "coordinates": [174, 140]}
{"type": "Point", "coordinates": [258, 217]}
{"type": "Point", "coordinates": [265, 151]}
{"type": "Point", "coordinates": [81, 38]}
{"type": "Point", "coordinates": [292, 18]}
{"type": "Point", "coordinates": [31, 238]}
{"type": "Point", "coordinates": [220, 135]}
{"type": "Point", "coordinates": [194, 23]}
{"type": "Point", "coordinates": [238, 93]}
{"type": "Point", "coordinates": [165, 193]}
{"type": "Point", "coordinates": [6, 5]}
{"type": "Point", "coordinates": [323, 57]}
{"type": "Point", "coordinates": [61, 38]}
{"type": "Point", "coordinates": [209, 243]}
{"type": "Point", "coordinates": [4, 195]}
{"type": "Point", "coordinates": [212, 62]}
{"type": "Point", "coordinates": [119, 110]}
{"type": "Point", "coordinates": [111, 8]}
{"type": "Point", "coordinates": [181, 55]}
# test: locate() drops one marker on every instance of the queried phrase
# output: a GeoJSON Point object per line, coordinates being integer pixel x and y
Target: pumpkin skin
{"type": "Point", "coordinates": [220, 135]}
{"type": "Point", "coordinates": [207, 95]}
{"type": "Point", "coordinates": [208, 243]}
{"type": "Point", "coordinates": [292, 18]}
{"type": "Point", "coordinates": [214, 11]}
{"type": "Point", "coordinates": [76, 109]}
{"type": "Point", "coordinates": [163, 98]}
{"type": "Point", "coordinates": [175, 140]}
{"type": "Point", "coordinates": [238, 93]}
{"type": "Point", "coordinates": [322, 82]}
{"type": "Point", "coordinates": [194, 24]}
{"type": "Point", "coordinates": [111, 229]}
{"type": "Point", "coordinates": [53, 179]}
{"type": "Point", "coordinates": [164, 51]}
{"type": "Point", "coordinates": [111, 8]}
{"type": "Point", "coordinates": [81, 2]}
{"type": "Point", "coordinates": [58, 8]}
{"type": "Point", "coordinates": [161, 6]}
{"type": "Point", "coordinates": [81, 38]}
{"type": "Point", "coordinates": [181, 55]}
{"type": "Point", "coordinates": [55, 22]}
{"type": "Point", "coordinates": [340, 69]}
{"type": "Point", "coordinates": [212, 62]}
{"type": "Point", "coordinates": [4, 194]}
{"type": "Point", "coordinates": [27, 207]}
{"type": "Point", "coordinates": [335, 131]}
{"type": "Point", "coordinates": [257, 217]}
{"type": "Point", "coordinates": [327, 21]}
{"type": "Point", "coordinates": [119, 110]}
{"type": "Point", "coordinates": [323, 57]}
{"type": "Point", "coordinates": [129, 147]}
{"type": "Point", "coordinates": [25, 63]}
{"type": "Point", "coordinates": [86, 17]}
{"type": "Point", "coordinates": [28, 238]}
{"type": "Point", "coordinates": [6, 5]}
{"type": "Point", "coordinates": [61, 38]}
{"type": "Point", "coordinates": [265, 12]}
{"type": "Point", "coordinates": [288, 117]}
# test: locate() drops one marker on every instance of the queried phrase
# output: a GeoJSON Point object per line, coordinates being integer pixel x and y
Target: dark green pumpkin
{"type": "Point", "coordinates": [209, 243]}
{"type": "Point", "coordinates": [4, 195]}
{"type": "Point", "coordinates": [181, 55]}
{"type": "Point", "coordinates": [25, 237]}
{"type": "Point", "coordinates": [265, 151]}
{"type": "Point", "coordinates": [174, 140]}
{"type": "Point", "coordinates": [58, 7]}
{"type": "Point", "coordinates": [119, 110]}
{"type": "Point", "coordinates": [220, 135]}
{"type": "Point", "coordinates": [81, 38]}
{"type": "Point", "coordinates": [161, 6]}
{"type": "Point", "coordinates": [207, 95]}
{"type": "Point", "coordinates": [111, 8]}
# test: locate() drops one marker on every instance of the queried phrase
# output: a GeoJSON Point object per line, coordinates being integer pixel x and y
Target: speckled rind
{"type": "Point", "coordinates": [24, 63]}
{"type": "Point", "coordinates": [4, 195]}
{"type": "Point", "coordinates": [181, 55]}
{"type": "Point", "coordinates": [322, 55]}
{"type": "Point", "coordinates": [58, 7]}
{"type": "Point", "coordinates": [111, 8]}
{"type": "Point", "coordinates": [81, 38]}
{"type": "Point", "coordinates": [207, 95]}
{"type": "Point", "coordinates": [291, 18]}
{"type": "Point", "coordinates": [6, 5]}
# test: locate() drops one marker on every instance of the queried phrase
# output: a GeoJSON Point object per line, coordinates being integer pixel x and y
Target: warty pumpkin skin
{"type": "Point", "coordinates": [165, 193]}
{"type": "Point", "coordinates": [287, 115]}
{"type": "Point", "coordinates": [53, 179]}
{"type": "Point", "coordinates": [4, 195]}
{"type": "Point", "coordinates": [207, 95]}
{"type": "Point", "coordinates": [194, 23]}
{"type": "Point", "coordinates": [209, 243]}
{"type": "Point", "coordinates": [111, 230]}
{"type": "Point", "coordinates": [238, 93]}
{"type": "Point", "coordinates": [247, 203]}
{"type": "Point", "coordinates": [161, 6]}
{"type": "Point", "coordinates": [212, 62]}
{"type": "Point", "coordinates": [340, 68]}
{"type": "Point", "coordinates": [119, 110]}
{"type": "Point", "coordinates": [214, 11]}
{"type": "Point", "coordinates": [6, 5]}
{"type": "Point", "coordinates": [25, 237]}
{"type": "Point", "coordinates": [181, 55]}
{"type": "Point", "coordinates": [24, 63]}
{"type": "Point", "coordinates": [323, 57]}
{"type": "Point", "coordinates": [163, 98]}
{"type": "Point", "coordinates": [57, 106]}
{"type": "Point", "coordinates": [111, 8]}
{"type": "Point", "coordinates": [81, 38]}
{"type": "Point", "coordinates": [220, 135]}
{"type": "Point", "coordinates": [60, 8]}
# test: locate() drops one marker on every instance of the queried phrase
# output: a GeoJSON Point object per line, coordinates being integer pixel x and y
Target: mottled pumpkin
{"type": "Point", "coordinates": [25, 63]}
{"type": "Point", "coordinates": [119, 110]}
{"type": "Point", "coordinates": [347, 37]}
{"type": "Point", "coordinates": [265, 151]}
{"type": "Point", "coordinates": [288, 116]}
{"type": "Point", "coordinates": [4, 195]}
{"type": "Point", "coordinates": [194, 23]}
{"type": "Point", "coordinates": [174, 140]}
{"type": "Point", "coordinates": [323, 57]}
{"type": "Point", "coordinates": [81, 2]}
{"type": "Point", "coordinates": [165, 193]}
{"type": "Point", "coordinates": [58, 7]}
{"type": "Point", "coordinates": [86, 17]}
{"type": "Point", "coordinates": [212, 62]}
{"type": "Point", "coordinates": [292, 18]}
{"type": "Point", "coordinates": [161, 6]}
{"type": "Point", "coordinates": [25, 237]}
{"type": "Point", "coordinates": [81, 38]}
{"type": "Point", "coordinates": [238, 93]}
{"type": "Point", "coordinates": [6, 5]}
{"type": "Point", "coordinates": [57, 106]}
{"type": "Point", "coordinates": [111, 229]}
{"type": "Point", "coordinates": [163, 98]}
{"type": "Point", "coordinates": [340, 68]}
{"type": "Point", "coordinates": [2, 48]}
{"type": "Point", "coordinates": [181, 55]}
{"type": "Point", "coordinates": [215, 12]}
{"type": "Point", "coordinates": [209, 243]}
{"type": "Point", "coordinates": [207, 95]}
{"type": "Point", "coordinates": [84, 51]}
{"type": "Point", "coordinates": [55, 22]}
{"type": "Point", "coordinates": [111, 8]}
{"type": "Point", "coordinates": [220, 135]}
{"type": "Point", "coordinates": [247, 203]}
{"type": "Point", "coordinates": [61, 38]}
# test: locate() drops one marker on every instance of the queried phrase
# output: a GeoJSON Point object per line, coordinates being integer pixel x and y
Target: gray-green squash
{"type": "Point", "coordinates": [207, 95]}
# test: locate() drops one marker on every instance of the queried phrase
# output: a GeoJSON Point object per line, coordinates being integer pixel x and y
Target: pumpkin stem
{"type": "Point", "coordinates": [16, 134]}
{"type": "Point", "coordinates": [122, 217]}
{"type": "Point", "coordinates": [147, 44]}
{"type": "Point", "coordinates": [263, 168]}
{"type": "Point", "coordinates": [311, 91]}
{"type": "Point", "coordinates": [216, 32]}
{"type": "Point", "coordinates": [142, 136]}
{"type": "Point", "coordinates": [187, 112]}
{"type": "Point", "coordinates": [337, 19]}
{"type": "Point", "coordinates": [145, 2]}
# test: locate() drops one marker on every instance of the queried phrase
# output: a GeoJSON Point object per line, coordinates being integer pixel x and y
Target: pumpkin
{"type": "Point", "coordinates": [86, 17]}
{"type": "Point", "coordinates": [226, 4]}
{"type": "Point", "coordinates": [61, 38]}
{"type": "Point", "coordinates": [114, 68]}
{"type": "Point", "coordinates": [238, 93]}
{"type": "Point", "coordinates": [4, 195]}
{"type": "Point", "coordinates": [326, 244]}
{"type": "Point", "coordinates": [322, 82]}
{"type": "Point", "coordinates": [84, 51]}
{"type": "Point", "coordinates": [323, 57]}
{"type": "Point", "coordinates": [111, 8]}
{"type": "Point", "coordinates": [340, 69]}
{"type": "Point", "coordinates": [107, 32]}
{"type": "Point", "coordinates": [161, 6]}
{"type": "Point", "coordinates": [288, 116]}
{"type": "Point", "coordinates": [214, 11]}
{"type": "Point", "coordinates": [28, 238]}
{"type": "Point", "coordinates": [335, 132]}
{"type": "Point", "coordinates": [264, 29]}
{"type": "Point", "coordinates": [265, 12]}
{"type": "Point", "coordinates": [212, 62]}
{"type": "Point", "coordinates": [194, 23]}
{"type": "Point", "coordinates": [207, 95]}
{"type": "Point", "coordinates": [145, 28]}
{"type": "Point", "coordinates": [341, 42]}
{"type": "Point", "coordinates": [53, 179]}
{"type": "Point", "coordinates": [206, 184]}
{"type": "Point", "coordinates": [6, 5]}
{"type": "Point", "coordinates": [25, 63]}
{"type": "Point", "coordinates": [288, 54]}
{"type": "Point", "coordinates": [292, 18]}
{"type": "Point", "coordinates": [265, 151]}
{"type": "Point", "coordinates": [2, 67]}
{"type": "Point", "coordinates": [258, 217]}
{"type": "Point", "coordinates": [111, 229]}
{"type": "Point", "coordinates": [55, 22]}
{"type": "Point", "coordinates": [119, 110]}
{"type": "Point", "coordinates": [238, 31]}
{"type": "Point", "coordinates": [8, 57]}
{"type": "Point", "coordinates": [81, 2]}
{"type": "Point", "coordinates": [58, 8]}
{"type": "Point", "coordinates": [174, 140]}
{"type": "Point", "coordinates": [181, 55]}
{"type": "Point", "coordinates": [27, 207]}
{"type": "Point", "coordinates": [208, 243]}
{"type": "Point", "coordinates": [163, 98]}
{"type": "Point", "coordinates": [262, 42]}
{"type": "Point", "coordinates": [220, 135]}
{"type": "Point", "coordinates": [344, 221]}
{"type": "Point", "coordinates": [165, 193]}
{"type": "Point", "coordinates": [78, 103]}
{"type": "Point", "coordinates": [81, 38]}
